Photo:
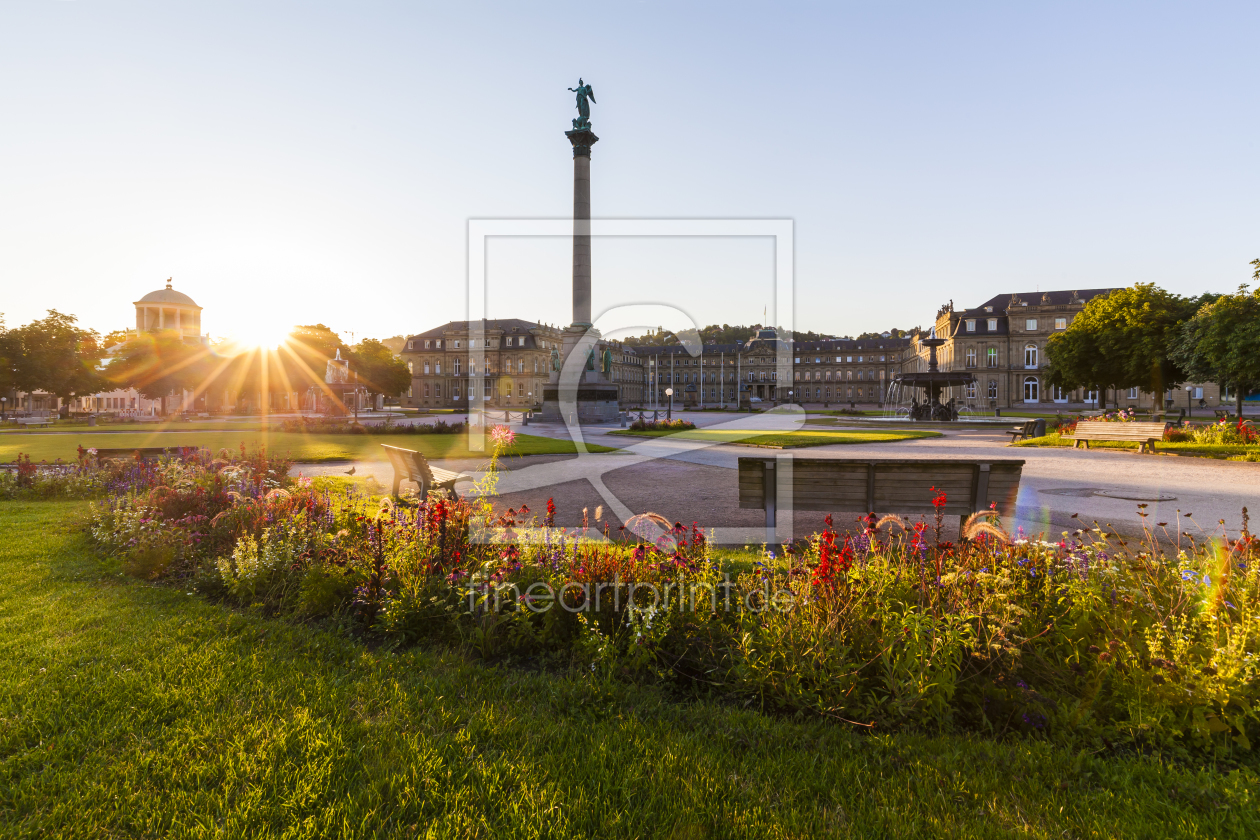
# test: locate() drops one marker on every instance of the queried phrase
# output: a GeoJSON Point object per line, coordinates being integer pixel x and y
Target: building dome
{"type": "Point", "coordinates": [168, 296]}
{"type": "Point", "coordinates": [167, 309]}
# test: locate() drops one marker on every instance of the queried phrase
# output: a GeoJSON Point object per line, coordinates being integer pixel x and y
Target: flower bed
{"type": "Point", "coordinates": [661, 425]}
{"type": "Point", "coordinates": [337, 426]}
{"type": "Point", "coordinates": [1090, 640]}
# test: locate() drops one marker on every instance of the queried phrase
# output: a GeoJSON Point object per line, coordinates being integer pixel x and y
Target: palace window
{"type": "Point", "coordinates": [988, 309]}
{"type": "Point", "coordinates": [970, 390]}
{"type": "Point", "coordinates": [992, 356]}
{"type": "Point", "coordinates": [1060, 323]}
{"type": "Point", "coordinates": [993, 325]}
{"type": "Point", "coordinates": [1030, 356]}
{"type": "Point", "coordinates": [971, 357]}
{"type": "Point", "coordinates": [411, 368]}
{"type": "Point", "coordinates": [437, 389]}
{"type": "Point", "coordinates": [426, 344]}
{"type": "Point", "coordinates": [457, 344]}
{"type": "Point", "coordinates": [426, 367]}
{"type": "Point", "coordinates": [1133, 393]}
{"type": "Point", "coordinates": [437, 368]}
{"type": "Point", "coordinates": [437, 344]}
{"type": "Point", "coordinates": [457, 367]}
{"type": "Point", "coordinates": [817, 360]}
{"type": "Point", "coordinates": [797, 376]}
{"type": "Point", "coordinates": [455, 392]}
{"type": "Point", "coordinates": [426, 389]}
{"type": "Point", "coordinates": [1032, 389]}
{"type": "Point", "coordinates": [971, 325]}
{"type": "Point", "coordinates": [1030, 324]}
{"type": "Point", "coordinates": [410, 344]}
{"type": "Point", "coordinates": [487, 387]}
{"type": "Point", "coordinates": [993, 389]}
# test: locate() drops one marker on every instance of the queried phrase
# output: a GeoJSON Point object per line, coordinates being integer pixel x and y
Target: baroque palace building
{"type": "Point", "coordinates": [1003, 342]}
{"type": "Point", "coordinates": [518, 357]}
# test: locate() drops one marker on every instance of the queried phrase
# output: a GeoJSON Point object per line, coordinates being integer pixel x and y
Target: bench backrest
{"type": "Point", "coordinates": [410, 464]}
{"type": "Point", "coordinates": [883, 486]}
{"type": "Point", "coordinates": [146, 452]}
{"type": "Point", "coordinates": [1104, 430]}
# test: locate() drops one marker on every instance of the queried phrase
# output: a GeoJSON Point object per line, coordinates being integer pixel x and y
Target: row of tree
{"type": "Point", "coordinates": [1148, 338]}
{"type": "Point", "coordinates": [57, 356]}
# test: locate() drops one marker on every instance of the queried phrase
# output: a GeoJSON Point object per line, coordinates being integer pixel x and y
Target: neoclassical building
{"type": "Point", "coordinates": [167, 309]}
{"type": "Point", "coordinates": [826, 371]}
{"type": "Point", "coordinates": [1003, 342]}
{"type": "Point", "coordinates": [445, 370]}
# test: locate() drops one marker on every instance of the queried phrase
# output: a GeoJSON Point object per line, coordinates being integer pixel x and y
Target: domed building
{"type": "Point", "coordinates": [167, 309]}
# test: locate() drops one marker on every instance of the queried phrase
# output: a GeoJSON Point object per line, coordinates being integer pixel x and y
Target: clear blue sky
{"type": "Point", "coordinates": [294, 162]}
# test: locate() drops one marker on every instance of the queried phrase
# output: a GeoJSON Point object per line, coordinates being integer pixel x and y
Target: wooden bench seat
{"type": "Point", "coordinates": [877, 486]}
{"type": "Point", "coordinates": [1144, 434]}
{"type": "Point", "coordinates": [1023, 431]}
{"type": "Point", "coordinates": [34, 421]}
{"type": "Point", "coordinates": [147, 453]}
{"type": "Point", "coordinates": [410, 465]}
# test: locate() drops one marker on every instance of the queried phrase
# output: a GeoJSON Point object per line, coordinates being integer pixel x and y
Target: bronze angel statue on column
{"type": "Point", "coordinates": [584, 92]}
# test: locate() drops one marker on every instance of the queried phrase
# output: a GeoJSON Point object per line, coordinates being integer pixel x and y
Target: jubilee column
{"type": "Point", "coordinates": [582, 140]}
{"type": "Point", "coordinates": [589, 394]}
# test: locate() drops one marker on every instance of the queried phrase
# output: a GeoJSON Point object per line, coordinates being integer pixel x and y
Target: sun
{"type": "Point", "coordinates": [261, 335]}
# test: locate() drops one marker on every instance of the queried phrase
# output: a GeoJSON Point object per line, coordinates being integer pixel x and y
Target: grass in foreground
{"type": "Point", "coordinates": [1199, 450]}
{"type": "Point", "coordinates": [297, 445]}
{"type": "Point", "coordinates": [129, 709]}
{"type": "Point", "coordinates": [786, 439]}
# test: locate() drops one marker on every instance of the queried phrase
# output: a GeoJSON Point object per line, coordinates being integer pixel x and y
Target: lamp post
{"type": "Point", "coordinates": [669, 413]}
{"type": "Point", "coordinates": [1189, 407]}
{"type": "Point", "coordinates": [3, 400]}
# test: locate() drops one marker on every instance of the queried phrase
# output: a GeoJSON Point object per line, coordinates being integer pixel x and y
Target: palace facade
{"type": "Point", "coordinates": [507, 371]}
{"type": "Point", "coordinates": [1003, 342]}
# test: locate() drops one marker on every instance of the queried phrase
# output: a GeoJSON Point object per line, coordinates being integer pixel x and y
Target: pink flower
{"type": "Point", "coordinates": [502, 437]}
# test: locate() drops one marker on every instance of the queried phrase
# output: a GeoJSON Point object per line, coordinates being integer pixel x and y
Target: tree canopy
{"type": "Point", "coordinates": [378, 369]}
{"type": "Point", "coordinates": [1123, 340]}
{"type": "Point", "coordinates": [1221, 342]}
{"type": "Point", "coordinates": [158, 364]}
{"type": "Point", "coordinates": [56, 355]}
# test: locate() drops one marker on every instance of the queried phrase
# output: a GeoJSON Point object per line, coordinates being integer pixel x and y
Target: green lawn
{"type": "Point", "coordinates": [134, 710]}
{"type": "Point", "coordinates": [788, 439]}
{"type": "Point", "coordinates": [299, 446]}
{"type": "Point", "coordinates": [1201, 450]}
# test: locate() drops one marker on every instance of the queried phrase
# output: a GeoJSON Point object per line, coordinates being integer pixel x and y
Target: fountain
{"type": "Point", "coordinates": [932, 381]}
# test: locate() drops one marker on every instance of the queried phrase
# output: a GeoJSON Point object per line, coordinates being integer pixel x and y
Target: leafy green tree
{"type": "Point", "coordinates": [1130, 334]}
{"type": "Point", "coordinates": [378, 369]}
{"type": "Point", "coordinates": [57, 356]}
{"type": "Point", "coordinates": [1077, 362]}
{"type": "Point", "coordinates": [159, 365]}
{"type": "Point", "coordinates": [10, 351]}
{"type": "Point", "coordinates": [1221, 343]}
{"type": "Point", "coordinates": [305, 355]}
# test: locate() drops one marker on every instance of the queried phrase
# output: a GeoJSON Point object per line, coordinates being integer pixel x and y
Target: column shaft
{"type": "Point", "coordinates": [582, 239]}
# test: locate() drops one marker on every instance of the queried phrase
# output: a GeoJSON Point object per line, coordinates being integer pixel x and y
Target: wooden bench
{"type": "Point", "coordinates": [902, 485]}
{"type": "Point", "coordinates": [147, 453]}
{"type": "Point", "coordinates": [1023, 431]}
{"type": "Point", "coordinates": [1222, 414]}
{"type": "Point", "coordinates": [34, 421]}
{"type": "Point", "coordinates": [410, 465]}
{"type": "Point", "coordinates": [1145, 434]}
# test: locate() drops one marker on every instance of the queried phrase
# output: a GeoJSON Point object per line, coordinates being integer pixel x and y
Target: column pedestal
{"type": "Point", "coordinates": [592, 398]}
